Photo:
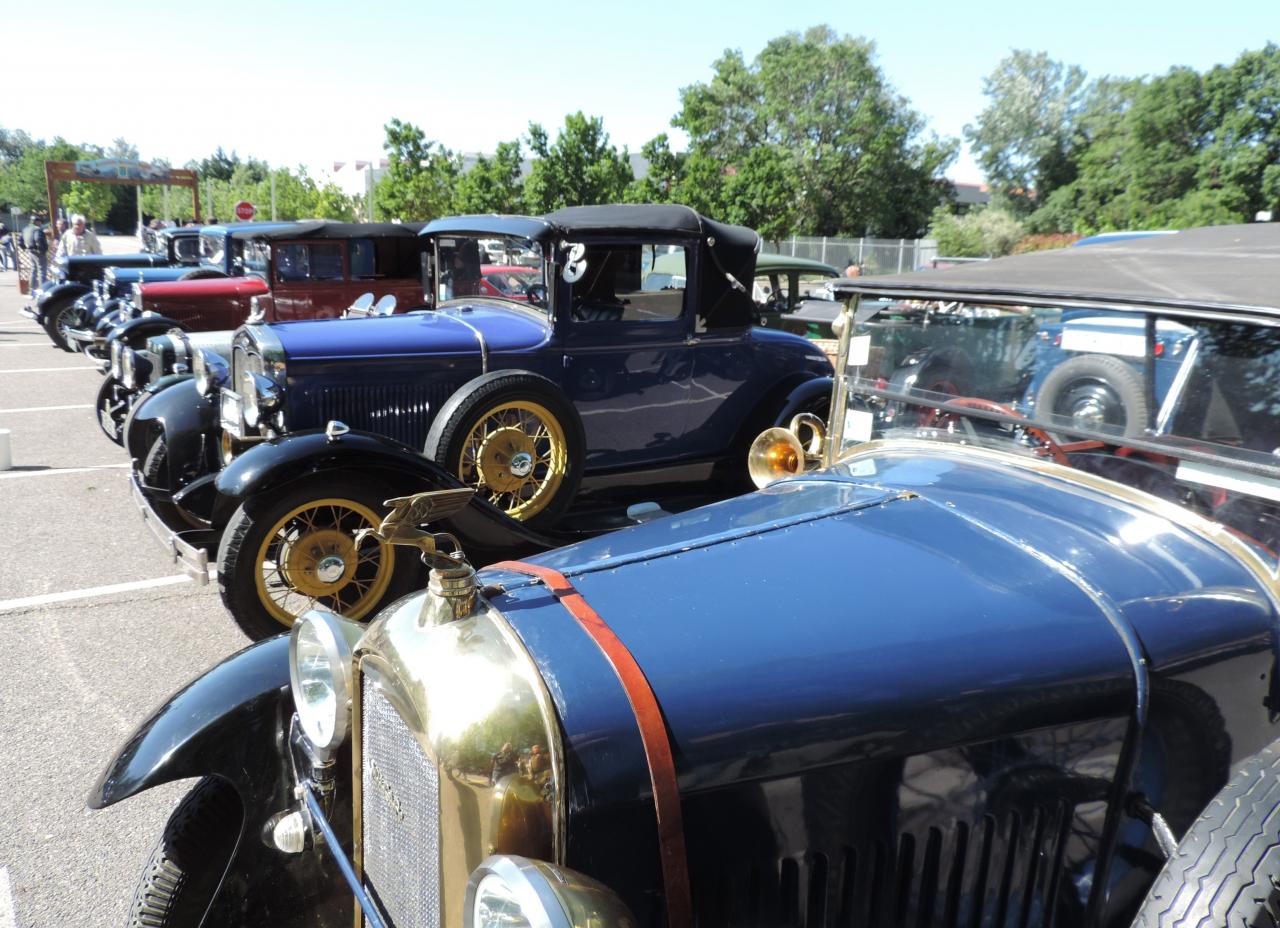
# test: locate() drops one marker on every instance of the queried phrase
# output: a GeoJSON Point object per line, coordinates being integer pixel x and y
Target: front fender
{"type": "Point", "coordinates": [484, 530]}
{"type": "Point", "coordinates": [224, 723]}
{"type": "Point", "coordinates": [187, 420]}
{"type": "Point", "coordinates": [142, 327]}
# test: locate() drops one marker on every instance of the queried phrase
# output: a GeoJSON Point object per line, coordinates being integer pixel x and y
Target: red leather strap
{"type": "Point", "coordinates": [653, 734]}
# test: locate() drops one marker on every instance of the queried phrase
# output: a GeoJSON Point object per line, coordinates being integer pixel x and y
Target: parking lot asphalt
{"type": "Point", "coordinates": [82, 665]}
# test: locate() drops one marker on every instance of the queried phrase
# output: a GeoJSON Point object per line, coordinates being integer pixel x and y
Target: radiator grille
{"type": "Point", "coordinates": [401, 818]}
{"type": "Point", "coordinates": [399, 411]}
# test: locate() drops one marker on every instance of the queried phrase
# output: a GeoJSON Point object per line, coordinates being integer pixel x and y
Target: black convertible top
{"type": "Point", "coordinates": [1212, 268]}
{"type": "Point", "coordinates": [321, 229]}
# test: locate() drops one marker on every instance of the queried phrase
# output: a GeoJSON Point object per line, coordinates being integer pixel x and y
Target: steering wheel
{"type": "Point", "coordinates": [936, 417]}
{"type": "Point", "coordinates": [536, 294]}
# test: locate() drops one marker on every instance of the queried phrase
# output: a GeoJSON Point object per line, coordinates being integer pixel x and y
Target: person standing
{"type": "Point", "coordinates": [78, 240]}
{"type": "Point", "coordinates": [36, 244]}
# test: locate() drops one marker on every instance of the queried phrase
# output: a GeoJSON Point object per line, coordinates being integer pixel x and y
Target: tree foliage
{"type": "Point", "coordinates": [420, 179]}
{"type": "Point", "coordinates": [854, 156]}
{"type": "Point", "coordinates": [580, 168]}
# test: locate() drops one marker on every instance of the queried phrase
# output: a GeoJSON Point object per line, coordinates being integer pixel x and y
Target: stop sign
{"type": "Point", "coordinates": [245, 210]}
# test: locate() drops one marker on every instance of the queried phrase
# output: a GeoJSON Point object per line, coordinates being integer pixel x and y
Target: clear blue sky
{"type": "Point", "coordinates": [313, 83]}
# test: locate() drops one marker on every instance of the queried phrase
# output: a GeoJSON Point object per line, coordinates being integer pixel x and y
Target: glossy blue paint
{"type": "Point", "coordinates": [872, 617]}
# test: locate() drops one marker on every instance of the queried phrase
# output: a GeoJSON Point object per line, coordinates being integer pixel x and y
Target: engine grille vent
{"type": "Point", "coordinates": [401, 817]}
{"type": "Point", "coordinates": [1004, 872]}
{"type": "Point", "coordinates": [399, 411]}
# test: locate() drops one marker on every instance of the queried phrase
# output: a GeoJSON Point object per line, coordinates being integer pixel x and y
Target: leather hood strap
{"type": "Point", "coordinates": [653, 734]}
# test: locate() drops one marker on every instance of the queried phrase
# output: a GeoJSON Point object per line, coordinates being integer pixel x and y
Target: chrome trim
{"type": "Point", "coordinates": [484, 346]}
{"type": "Point", "coordinates": [1208, 531]}
{"type": "Point", "coordinates": [450, 683]}
{"type": "Point", "coordinates": [193, 561]}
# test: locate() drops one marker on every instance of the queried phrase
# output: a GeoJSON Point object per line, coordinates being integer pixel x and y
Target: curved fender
{"type": "Point", "coordinates": [66, 292]}
{"type": "Point", "coordinates": [802, 396]}
{"type": "Point", "coordinates": [224, 723]}
{"type": "Point", "coordinates": [270, 466]}
{"type": "Point", "coordinates": [233, 723]}
{"type": "Point", "coordinates": [187, 420]}
{"type": "Point", "coordinates": [143, 326]}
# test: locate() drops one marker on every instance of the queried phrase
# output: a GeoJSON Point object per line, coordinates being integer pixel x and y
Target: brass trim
{"type": "Point", "coordinates": [1213, 533]}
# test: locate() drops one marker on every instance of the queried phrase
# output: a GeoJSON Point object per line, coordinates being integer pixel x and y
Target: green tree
{"type": "Point", "coordinates": [421, 176]}
{"type": "Point", "coordinates": [580, 169]}
{"type": "Point", "coordinates": [493, 185]}
{"type": "Point", "coordinates": [1023, 139]}
{"type": "Point", "coordinates": [855, 153]}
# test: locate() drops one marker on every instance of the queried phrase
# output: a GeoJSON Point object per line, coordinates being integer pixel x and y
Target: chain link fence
{"type": "Point", "coordinates": [874, 255]}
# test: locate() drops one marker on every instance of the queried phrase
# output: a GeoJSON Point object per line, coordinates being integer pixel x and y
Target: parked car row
{"type": "Point", "coordinates": [995, 641]}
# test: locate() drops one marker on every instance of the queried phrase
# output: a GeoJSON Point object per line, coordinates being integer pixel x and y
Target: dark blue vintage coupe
{"type": "Point", "coordinates": [983, 669]}
{"type": "Point", "coordinates": [625, 355]}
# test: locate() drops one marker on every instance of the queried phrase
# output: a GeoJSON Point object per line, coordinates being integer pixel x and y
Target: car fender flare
{"type": "Point", "coordinates": [144, 326]}
{"type": "Point", "coordinates": [271, 466]}
{"type": "Point", "coordinates": [224, 723]}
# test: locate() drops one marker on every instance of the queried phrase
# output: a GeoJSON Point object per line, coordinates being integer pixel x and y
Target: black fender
{"type": "Point", "coordinates": [485, 532]}
{"type": "Point", "coordinates": [233, 722]}
{"type": "Point", "coordinates": [67, 292]}
{"type": "Point", "coordinates": [802, 397]}
{"type": "Point", "coordinates": [187, 419]}
{"type": "Point", "coordinates": [136, 331]}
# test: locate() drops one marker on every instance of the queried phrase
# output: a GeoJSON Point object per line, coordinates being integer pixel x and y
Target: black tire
{"type": "Point", "coordinates": [55, 318]}
{"type": "Point", "coordinates": [1109, 382]}
{"type": "Point", "coordinates": [252, 530]}
{"type": "Point", "coordinates": [201, 273]}
{"type": "Point", "coordinates": [111, 422]}
{"type": "Point", "coordinates": [1226, 870]}
{"type": "Point", "coordinates": [473, 403]}
{"type": "Point", "coordinates": [188, 862]}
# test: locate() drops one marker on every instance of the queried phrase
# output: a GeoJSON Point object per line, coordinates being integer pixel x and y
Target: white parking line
{"type": "Point", "coordinates": [44, 408]}
{"type": "Point", "coordinates": [49, 370]}
{"type": "Point", "coordinates": [27, 602]}
{"type": "Point", "coordinates": [8, 919]}
{"type": "Point", "coordinates": [57, 471]}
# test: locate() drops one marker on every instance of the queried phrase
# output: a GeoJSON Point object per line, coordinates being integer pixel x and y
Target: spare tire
{"type": "Point", "coordinates": [1095, 391]}
{"type": "Point", "coordinates": [517, 439]}
{"type": "Point", "coordinates": [202, 273]}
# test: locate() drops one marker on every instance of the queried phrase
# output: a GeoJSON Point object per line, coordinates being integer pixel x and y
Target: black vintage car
{"type": "Point", "coordinates": [983, 669]}
{"type": "Point", "coordinates": [75, 276]}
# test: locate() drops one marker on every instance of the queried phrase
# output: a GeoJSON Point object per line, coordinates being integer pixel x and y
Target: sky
{"type": "Point", "coordinates": [313, 83]}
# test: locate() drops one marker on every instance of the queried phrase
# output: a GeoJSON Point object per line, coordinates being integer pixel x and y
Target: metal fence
{"type": "Point", "coordinates": [874, 255]}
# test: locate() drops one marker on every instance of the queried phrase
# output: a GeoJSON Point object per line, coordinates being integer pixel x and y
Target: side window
{"type": "Point", "coordinates": [364, 259]}
{"type": "Point", "coordinates": [631, 283]}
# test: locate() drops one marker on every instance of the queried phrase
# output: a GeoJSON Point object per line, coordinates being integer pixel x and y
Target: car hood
{"type": "Point", "coordinates": [205, 287]}
{"type": "Point", "coordinates": [451, 330]}
{"type": "Point", "coordinates": [883, 609]}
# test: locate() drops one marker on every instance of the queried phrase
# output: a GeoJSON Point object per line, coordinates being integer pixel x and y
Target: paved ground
{"type": "Point", "coordinates": [78, 673]}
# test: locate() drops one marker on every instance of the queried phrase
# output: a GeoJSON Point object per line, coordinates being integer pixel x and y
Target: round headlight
{"type": "Point", "coordinates": [117, 349]}
{"type": "Point", "coordinates": [129, 368]}
{"type": "Point", "coordinates": [320, 649]}
{"type": "Point", "coordinates": [507, 891]}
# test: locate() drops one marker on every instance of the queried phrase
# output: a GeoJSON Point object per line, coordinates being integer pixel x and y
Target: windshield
{"type": "Point", "coordinates": [1185, 408]}
{"type": "Point", "coordinates": [497, 268]}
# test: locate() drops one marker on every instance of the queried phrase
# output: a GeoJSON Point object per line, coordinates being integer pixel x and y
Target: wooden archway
{"type": "Point", "coordinates": [118, 171]}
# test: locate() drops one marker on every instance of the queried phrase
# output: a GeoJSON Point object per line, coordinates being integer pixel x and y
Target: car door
{"type": "Point", "coordinates": [626, 331]}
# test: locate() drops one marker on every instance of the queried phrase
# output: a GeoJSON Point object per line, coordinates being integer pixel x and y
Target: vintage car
{"type": "Point", "coordinates": [965, 673]}
{"type": "Point", "coordinates": [112, 301]}
{"type": "Point", "coordinates": [635, 381]}
{"type": "Point", "coordinates": [307, 270]}
{"type": "Point", "coordinates": [72, 277]}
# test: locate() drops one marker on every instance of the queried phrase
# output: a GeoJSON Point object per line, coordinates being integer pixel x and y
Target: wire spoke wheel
{"type": "Point", "coordinates": [515, 456]}
{"type": "Point", "coordinates": [309, 557]}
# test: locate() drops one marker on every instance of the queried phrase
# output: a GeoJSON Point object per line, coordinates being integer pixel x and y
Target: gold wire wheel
{"type": "Point", "coordinates": [516, 457]}
{"type": "Point", "coordinates": [309, 557]}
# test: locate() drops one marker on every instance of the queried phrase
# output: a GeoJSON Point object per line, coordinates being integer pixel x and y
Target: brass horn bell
{"type": "Point", "coordinates": [779, 452]}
